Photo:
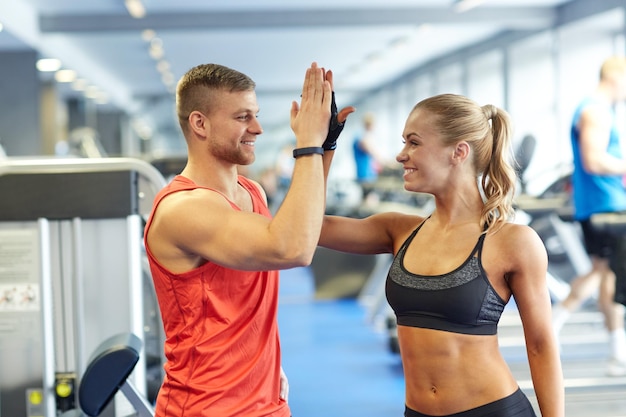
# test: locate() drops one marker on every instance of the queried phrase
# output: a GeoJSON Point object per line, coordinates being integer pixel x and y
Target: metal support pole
{"type": "Point", "coordinates": [47, 319]}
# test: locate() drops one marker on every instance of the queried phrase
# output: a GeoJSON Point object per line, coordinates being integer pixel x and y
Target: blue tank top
{"type": "Point", "coordinates": [595, 193]}
{"type": "Point", "coordinates": [461, 301]}
{"type": "Point", "coordinates": [365, 169]}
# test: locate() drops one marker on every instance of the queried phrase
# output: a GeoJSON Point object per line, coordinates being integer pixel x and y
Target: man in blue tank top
{"type": "Point", "coordinates": [368, 159]}
{"type": "Point", "coordinates": [598, 187]}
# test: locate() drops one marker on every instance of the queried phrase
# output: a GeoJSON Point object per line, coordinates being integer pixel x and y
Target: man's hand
{"type": "Point", "coordinates": [284, 386]}
{"type": "Point", "coordinates": [310, 118]}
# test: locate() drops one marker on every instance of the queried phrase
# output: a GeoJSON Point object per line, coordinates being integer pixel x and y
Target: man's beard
{"type": "Point", "coordinates": [234, 156]}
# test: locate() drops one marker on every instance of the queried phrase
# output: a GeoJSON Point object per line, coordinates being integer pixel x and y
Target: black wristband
{"type": "Point", "coordinates": [308, 151]}
{"type": "Point", "coordinates": [334, 127]}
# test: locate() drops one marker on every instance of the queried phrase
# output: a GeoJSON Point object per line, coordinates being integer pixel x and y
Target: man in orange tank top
{"type": "Point", "coordinates": [215, 250]}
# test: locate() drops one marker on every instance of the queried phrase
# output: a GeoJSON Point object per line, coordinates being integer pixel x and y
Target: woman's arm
{"type": "Point", "coordinates": [528, 285]}
{"type": "Point", "coordinates": [378, 233]}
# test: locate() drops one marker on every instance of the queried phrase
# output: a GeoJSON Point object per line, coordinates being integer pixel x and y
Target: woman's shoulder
{"type": "Point", "coordinates": [517, 240]}
{"type": "Point", "coordinates": [515, 250]}
{"type": "Point", "coordinates": [514, 233]}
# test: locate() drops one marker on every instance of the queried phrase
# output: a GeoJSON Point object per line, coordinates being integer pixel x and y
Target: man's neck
{"type": "Point", "coordinates": [222, 180]}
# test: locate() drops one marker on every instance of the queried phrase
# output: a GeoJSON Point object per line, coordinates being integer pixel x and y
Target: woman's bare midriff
{"type": "Point", "coordinates": [447, 373]}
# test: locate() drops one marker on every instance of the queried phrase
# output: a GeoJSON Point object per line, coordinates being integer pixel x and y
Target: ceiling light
{"type": "Point", "coordinates": [79, 84]}
{"type": "Point", "coordinates": [163, 66]}
{"type": "Point", "coordinates": [461, 6]}
{"type": "Point", "coordinates": [167, 78]}
{"type": "Point", "coordinates": [101, 98]}
{"type": "Point", "coordinates": [65, 76]}
{"type": "Point", "coordinates": [156, 42]}
{"type": "Point", "coordinates": [148, 34]}
{"type": "Point", "coordinates": [135, 8]}
{"type": "Point", "coordinates": [48, 65]}
{"type": "Point", "coordinates": [156, 52]}
{"type": "Point", "coordinates": [92, 92]}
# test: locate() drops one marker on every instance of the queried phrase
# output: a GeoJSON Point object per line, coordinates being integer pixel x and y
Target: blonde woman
{"type": "Point", "coordinates": [454, 271]}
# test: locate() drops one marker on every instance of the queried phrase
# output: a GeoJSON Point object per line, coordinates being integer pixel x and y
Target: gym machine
{"type": "Point", "coordinates": [552, 218]}
{"type": "Point", "coordinates": [107, 373]}
{"type": "Point", "coordinates": [550, 214]}
{"type": "Point", "coordinates": [71, 275]}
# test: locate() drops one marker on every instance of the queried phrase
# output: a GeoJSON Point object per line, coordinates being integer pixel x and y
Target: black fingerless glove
{"type": "Point", "coordinates": [334, 128]}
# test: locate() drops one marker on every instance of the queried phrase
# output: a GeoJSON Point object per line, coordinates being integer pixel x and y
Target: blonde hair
{"type": "Point", "coordinates": [487, 129]}
{"type": "Point", "coordinates": [615, 65]}
{"type": "Point", "coordinates": [195, 89]}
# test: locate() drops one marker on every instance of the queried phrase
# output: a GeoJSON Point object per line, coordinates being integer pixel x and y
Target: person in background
{"type": "Point", "coordinates": [283, 167]}
{"type": "Point", "coordinates": [215, 250]}
{"type": "Point", "coordinates": [367, 158]}
{"type": "Point", "coordinates": [597, 185]}
{"type": "Point", "coordinates": [455, 270]}
{"type": "Point", "coordinates": [268, 180]}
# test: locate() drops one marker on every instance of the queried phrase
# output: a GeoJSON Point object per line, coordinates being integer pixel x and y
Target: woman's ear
{"type": "Point", "coordinates": [461, 151]}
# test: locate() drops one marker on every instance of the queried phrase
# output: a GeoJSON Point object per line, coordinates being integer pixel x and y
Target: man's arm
{"type": "Point", "coordinates": [194, 226]}
{"type": "Point", "coordinates": [595, 130]}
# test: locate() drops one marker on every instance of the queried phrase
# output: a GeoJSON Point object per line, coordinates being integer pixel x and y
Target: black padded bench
{"type": "Point", "coordinates": [107, 373]}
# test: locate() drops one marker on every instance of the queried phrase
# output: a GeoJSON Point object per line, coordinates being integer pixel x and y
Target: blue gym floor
{"type": "Point", "coordinates": [336, 362]}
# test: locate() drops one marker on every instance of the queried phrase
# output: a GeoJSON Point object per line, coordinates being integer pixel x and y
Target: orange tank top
{"type": "Point", "coordinates": [222, 345]}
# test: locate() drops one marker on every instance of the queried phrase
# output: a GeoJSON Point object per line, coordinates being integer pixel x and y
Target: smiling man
{"type": "Point", "coordinates": [215, 250]}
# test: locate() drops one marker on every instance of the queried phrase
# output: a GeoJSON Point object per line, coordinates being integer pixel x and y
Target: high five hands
{"type": "Point", "coordinates": [318, 91]}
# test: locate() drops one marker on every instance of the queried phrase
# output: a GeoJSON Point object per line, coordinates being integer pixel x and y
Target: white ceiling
{"type": "Point", "coordinates": [365, 42]}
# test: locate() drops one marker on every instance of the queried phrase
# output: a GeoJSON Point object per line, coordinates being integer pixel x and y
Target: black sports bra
{"type": "Point", "coordinates": [461, 301]}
